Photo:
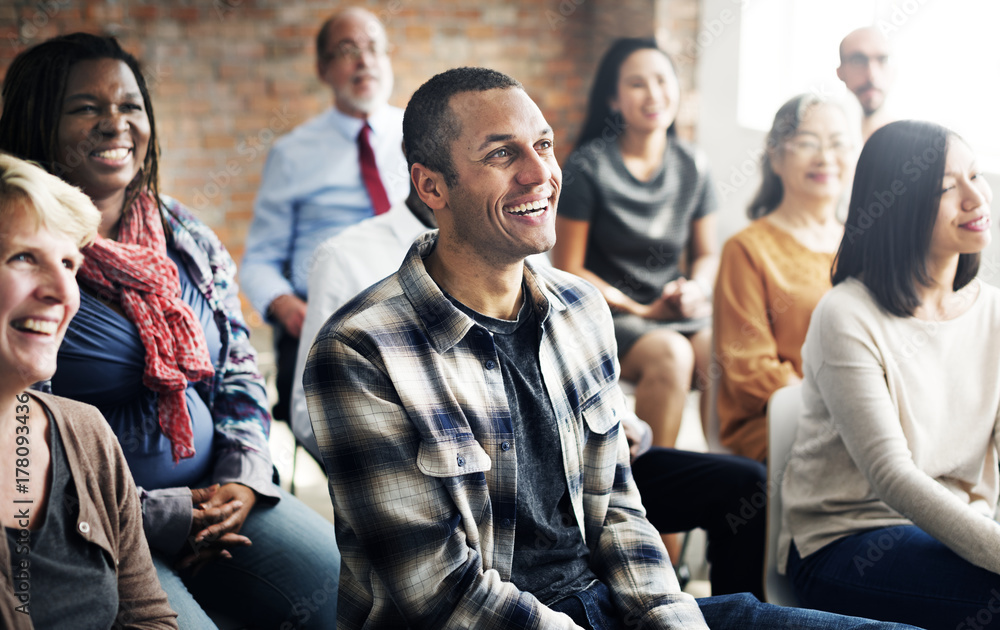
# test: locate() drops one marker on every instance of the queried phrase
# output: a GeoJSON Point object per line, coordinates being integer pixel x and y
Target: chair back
{"type": "Point", "coordinates": [783, 412]}
{"type": "Point", "coordinates": [713, 427]}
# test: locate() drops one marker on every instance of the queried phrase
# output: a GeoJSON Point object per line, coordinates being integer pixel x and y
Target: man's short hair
{"type": "Point", "coordinates": [323, 36]}
{"type": "Point", "coordinates": [875, 31]}
{"type": "Point", "coordinates": [322, 39]}
{"type": "Point", "coordinates": [430, 125]}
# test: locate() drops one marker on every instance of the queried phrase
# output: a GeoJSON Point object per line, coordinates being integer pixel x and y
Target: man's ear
{"type": "Point", "coordinates": [840, 72]}
{"type": "Point", "coordinates": [430, 186]}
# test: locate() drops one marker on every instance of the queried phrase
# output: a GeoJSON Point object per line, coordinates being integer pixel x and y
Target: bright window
{"type": "Point", "coordinates": [947, 58]}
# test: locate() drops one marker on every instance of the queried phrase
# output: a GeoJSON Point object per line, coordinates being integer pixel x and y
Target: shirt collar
{"type": "Point", "coordinates": [350, 126]}
{"type": "Point", "coordinates": [403, 223]}
{"type": "Point", "coordinates": [446, 324]}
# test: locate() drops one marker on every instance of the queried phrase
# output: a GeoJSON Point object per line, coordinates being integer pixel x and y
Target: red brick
{"type": "Point", "coordinates": [144, 12]}
{"type": "Point", "coordinates": [220, 76]}
{"type": "Point", "coordinates": [187, 14]}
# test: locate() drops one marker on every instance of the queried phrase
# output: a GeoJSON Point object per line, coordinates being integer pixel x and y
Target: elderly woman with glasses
{"type": "Point", "coordinates": [772, 274]}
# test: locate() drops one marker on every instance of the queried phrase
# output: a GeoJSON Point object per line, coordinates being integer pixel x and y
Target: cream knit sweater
{"type": "Point", "coordinates": [900, 426]}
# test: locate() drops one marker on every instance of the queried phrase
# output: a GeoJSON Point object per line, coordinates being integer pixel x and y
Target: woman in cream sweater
{"type": "Point", "coordinates": [891, 488]}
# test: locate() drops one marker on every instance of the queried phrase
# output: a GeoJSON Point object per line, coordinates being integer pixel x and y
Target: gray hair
{"type": "Point", "coordinates": [786, 125]}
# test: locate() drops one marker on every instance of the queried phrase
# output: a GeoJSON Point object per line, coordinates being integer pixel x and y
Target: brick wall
{"type": "Point", "coordinates": [229, 76]}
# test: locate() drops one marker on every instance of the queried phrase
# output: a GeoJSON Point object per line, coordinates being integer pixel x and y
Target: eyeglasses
{"type": "Point", "coordinates": [808, 147]}
{"type": "Point", "coordinates": [351, 51]}
{"type": "Point", "coordinates": [861, 60]}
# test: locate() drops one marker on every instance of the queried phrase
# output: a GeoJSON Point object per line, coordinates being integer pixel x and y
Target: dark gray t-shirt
{"type": "Point", "coordinates": [551, 561]}
{"type": "Point", "coordinates": [71, 582]}
{"type": "Point", "coordinates": [639, 231]}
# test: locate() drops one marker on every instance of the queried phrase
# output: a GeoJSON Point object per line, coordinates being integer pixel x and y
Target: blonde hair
{"type": "Point", "coordinates": [54, 204]}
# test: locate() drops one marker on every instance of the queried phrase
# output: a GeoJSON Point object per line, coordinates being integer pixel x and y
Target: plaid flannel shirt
{"type": "Point", "coordinates": [426, 507]}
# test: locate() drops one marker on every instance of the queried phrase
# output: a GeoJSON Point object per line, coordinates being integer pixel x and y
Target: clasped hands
{"type": "Point", "coordinates": [218, 514]}
{"type": "Point", "coordinates": [680, 299]}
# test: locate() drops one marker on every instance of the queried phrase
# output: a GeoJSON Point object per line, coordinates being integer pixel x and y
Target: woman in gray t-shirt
{"type": "Point", "coordinates": [636, 208]}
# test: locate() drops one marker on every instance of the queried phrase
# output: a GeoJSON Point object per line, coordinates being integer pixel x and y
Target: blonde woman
{"type": "Point", "coordinates": [75, 554]}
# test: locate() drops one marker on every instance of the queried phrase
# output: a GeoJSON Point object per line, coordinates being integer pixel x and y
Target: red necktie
{"type": "Point", "coordinates": [369, 172]}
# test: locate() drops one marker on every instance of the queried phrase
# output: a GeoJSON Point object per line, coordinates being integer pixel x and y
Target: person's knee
{"type": "Point", "coordinates": [669, 352]}
{"type": "Point", "coordinates": [747, 476]}
{"type": "Point", "coordinates": [739, 498]}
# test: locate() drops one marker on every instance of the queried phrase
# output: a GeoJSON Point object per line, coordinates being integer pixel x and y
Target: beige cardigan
{"type": "Point", "coordinates": [110, 517]}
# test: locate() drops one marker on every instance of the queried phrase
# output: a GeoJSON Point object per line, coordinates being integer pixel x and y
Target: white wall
{"type": "Point", "coordinates": [733, 149]}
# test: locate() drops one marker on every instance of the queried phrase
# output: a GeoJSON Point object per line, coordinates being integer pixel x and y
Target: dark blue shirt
{"type": "Point", "coordinates": [101, 362]}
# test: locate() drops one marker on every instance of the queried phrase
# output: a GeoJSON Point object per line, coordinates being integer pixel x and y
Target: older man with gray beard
{"type": "Point", "coordinates": [331, 172]}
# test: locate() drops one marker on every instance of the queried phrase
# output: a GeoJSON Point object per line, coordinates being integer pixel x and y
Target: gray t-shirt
{"type": "Point", "coordinates": [551, 560]}
{"type": "Point", "coordinates": [72, 582]}
{"type": "Point", "coordinates": [639, 231]}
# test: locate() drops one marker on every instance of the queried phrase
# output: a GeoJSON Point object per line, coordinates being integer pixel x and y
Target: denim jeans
{"type": "Point", "coordinates": [900, 574]}
{"type": "Point", "coordinates": [593, 609]}
{"type": "Point", "coordinates": [287, 579]}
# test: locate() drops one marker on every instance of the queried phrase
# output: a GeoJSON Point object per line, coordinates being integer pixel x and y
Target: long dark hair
{"type": "Point", "coordinates": [785, 126]}
{"type": "Point", "coordinates": [894, 205]}
{"type": "Point", "coordinates": [33, 95]}
{"type": "Point", "coordinates": [601, 119]}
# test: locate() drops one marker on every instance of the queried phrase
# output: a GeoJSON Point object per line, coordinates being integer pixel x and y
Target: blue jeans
{"type": "Point", "coordinates": [900, 574]}
{"type": "Point", "coordinates": [593, 609]}
{"type": "Point", "coordinates": [287, 579]}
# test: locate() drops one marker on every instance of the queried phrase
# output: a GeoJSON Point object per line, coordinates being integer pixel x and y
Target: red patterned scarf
{"type": "Point", "coordinates": [136, 272]}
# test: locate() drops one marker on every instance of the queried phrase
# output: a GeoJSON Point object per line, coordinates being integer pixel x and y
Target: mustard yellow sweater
{"type": "Point", "coordinates": [767, 287]}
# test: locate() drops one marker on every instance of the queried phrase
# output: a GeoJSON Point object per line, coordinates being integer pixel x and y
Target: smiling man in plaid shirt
{"type": "Point", "coordinates": [468, 409]}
